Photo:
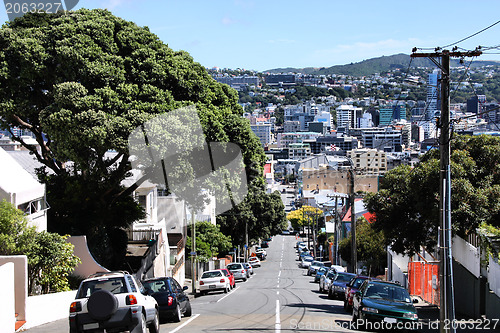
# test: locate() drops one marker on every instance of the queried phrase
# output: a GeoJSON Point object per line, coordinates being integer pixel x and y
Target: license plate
{"type": "Point", "coordinates": [90, 326]}
{"type": "Point", "coordinates": [391, 320]}
{"type": "Point", "coordinates": [212, 286]}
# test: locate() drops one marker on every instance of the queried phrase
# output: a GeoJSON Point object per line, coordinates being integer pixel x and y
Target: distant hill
{"type": "Point", "coordinates": [375, 65]}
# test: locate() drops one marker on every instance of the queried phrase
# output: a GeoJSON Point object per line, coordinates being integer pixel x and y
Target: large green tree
{"type": "Point", "coordinates": [407, 205]}
{"type": "Point", "coordinates": [370, 247]}
{"type": "Point", "coordinates": [260, 215]}
{"type": "Point", "coordinates": [81, 82]}
{"type": "Point", "coordinates": [210, 241]}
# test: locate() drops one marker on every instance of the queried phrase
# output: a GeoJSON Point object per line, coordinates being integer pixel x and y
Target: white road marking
{"type": "Point", "coordinates": [277, 325]}
{"type": "Point", "coordinates": [220, 299]}
{"type": "Point", "coordinates": [186, 323]}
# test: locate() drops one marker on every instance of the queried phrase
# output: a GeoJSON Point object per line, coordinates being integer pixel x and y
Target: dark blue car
{"type": "Point", "coordinates": [170, 296]}
{"type": "Point", "coordinates": [338, 286]}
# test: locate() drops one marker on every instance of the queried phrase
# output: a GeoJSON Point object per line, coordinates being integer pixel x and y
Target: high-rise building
{"type": "Point", "coordinates": [433, 95]}
{"type": "Point", "coordinates": [476, 104]}
{"type": "Point", "coordinates": [388, 114]}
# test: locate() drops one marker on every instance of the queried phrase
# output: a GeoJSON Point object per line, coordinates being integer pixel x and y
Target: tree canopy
{"type": "Point", "coordinates": [370, 246]}
{"type": "Point", "coordinates": [407, 205]}
{"type": "Point", "coordinates": [210, 241]}
{"type": "Point", "coordinates": [81, 82]}
{"type": "Point", "coordinates": [304, 216]}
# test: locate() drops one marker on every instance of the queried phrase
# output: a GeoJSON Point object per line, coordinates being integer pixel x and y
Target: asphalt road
{"type": "Point", "coordinates": [279, 297]}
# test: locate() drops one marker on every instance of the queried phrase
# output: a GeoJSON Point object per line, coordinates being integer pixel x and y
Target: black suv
{"type": "Point", "coordinates": [170, 296]}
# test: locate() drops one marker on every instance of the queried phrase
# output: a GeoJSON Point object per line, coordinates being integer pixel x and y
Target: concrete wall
{"type": "Point", "coordinates": [43, 309]}
{"type": "Point", "coordinates": [7, 313]}
{"type": "Point", "coordinates": [88, 265]}
{"type": "Point", "coordinates": [492, 305]}
{"type": "Point", "coordinates": [467, 291]}
{"type": "Point", "coordinates": [20, 283]}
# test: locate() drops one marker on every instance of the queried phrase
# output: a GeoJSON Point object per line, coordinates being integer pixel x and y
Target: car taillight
{"type": "Point", "coordinates": [222, 280]}
{"type": "Point", "coordinates": [243, 271]}
{"type": "Point", "coordinates": [131, 300]}
{"type": "Point", "coordinates": [170, 300]}
{"type": "Point", "coordinates": [75, 307]}
{"type": "Point", "coordinates": [202, 283]}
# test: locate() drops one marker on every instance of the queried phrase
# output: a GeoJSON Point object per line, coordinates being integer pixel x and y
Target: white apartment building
{"type": "Point", "coordinates": [346, 115]}
{"type": "Point", "coordinates": [263, 132]}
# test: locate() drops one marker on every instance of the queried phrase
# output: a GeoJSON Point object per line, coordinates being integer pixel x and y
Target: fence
{"type": "Point", "coordinates": [424, 280]}
{"type": "Point", "coordinates": [494, 276]}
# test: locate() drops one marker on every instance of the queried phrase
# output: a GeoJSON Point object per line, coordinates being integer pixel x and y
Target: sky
{"type": "Point", "coordinates": [266, 34]}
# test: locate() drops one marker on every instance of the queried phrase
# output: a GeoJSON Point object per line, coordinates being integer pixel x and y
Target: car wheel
{"type": "Point", "coordinates": [177, 314]}
{"type": "Point", "coordinates": [154, 327]}
{"type": "Point", "coordinates": [244, 279]}
{"type": "Point", "coordinates": [188, 311]}
{"type": "Point", "coordinates": [141, 326]}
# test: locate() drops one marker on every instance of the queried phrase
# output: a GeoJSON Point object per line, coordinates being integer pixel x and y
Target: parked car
{"type": "Point", "coordinates": [299, 243]}
{"type": "Point", "coordinates": [381, 301]}
{"type": "Point", "coordinates": [170, 296]}
{"type": "Point", "coordinates": [337, 287]}
{"type": "Point", "coordinates": [264, 244]}
{"type": "Point", "coordinates": [230, 276]}
{"type": "Point", "coordinates": [238, 270]}
{"type": "Point", "coordinates": [351, 289]}
{"type": "Point", "coordinates": [113, 301]}
{"type": "Point", "coordinates": [320, 272]}
{"type": "Point", "coordinates": [325, 280]}
{"type": "Point", "coordinates": [261, 251]}
{"type": "Point", "coordinates": [305, 254]}
{"type": "Point", "coordinates": [212, 281]}
{"type": "Point", "coordinates": [248, 268]}
{"type": "Point", "coordinates": [306, 261]}
{"type": "Point", "coordinates": [254, 262]}
{"type": "Point", "coordinates": [338, 268]}
{"type": "Point", "coordinates": [313, 267]}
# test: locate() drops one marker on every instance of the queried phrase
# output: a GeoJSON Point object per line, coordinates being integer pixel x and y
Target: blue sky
{"type": "Point", "coordinates": [260, 35]}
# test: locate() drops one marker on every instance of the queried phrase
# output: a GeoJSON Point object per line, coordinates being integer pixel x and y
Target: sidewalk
{"type": "Point", "coordinates": [429, 315]}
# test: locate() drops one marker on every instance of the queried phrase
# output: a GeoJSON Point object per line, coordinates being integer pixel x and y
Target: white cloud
{"type": "Point", "coordinates": [355, 52]}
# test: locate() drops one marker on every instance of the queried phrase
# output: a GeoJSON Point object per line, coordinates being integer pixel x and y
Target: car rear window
{"type": "Point", "coordinates": [156, 286]}
{"type": "Point", "coordinates": [208, 275]}
{"type": "Point", "coordinates": [234, 266]}
{"type": "Point", "coordinates": [342, 277]}
{"type": "Point", "coordinates": [115, 285]}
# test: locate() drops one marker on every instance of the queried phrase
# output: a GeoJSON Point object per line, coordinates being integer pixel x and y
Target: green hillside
{"type": "Point", "coordinates": [374, 65]}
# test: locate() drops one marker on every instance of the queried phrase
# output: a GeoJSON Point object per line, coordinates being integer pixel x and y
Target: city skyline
{"type": "Point", "coordinates": [259, 35]}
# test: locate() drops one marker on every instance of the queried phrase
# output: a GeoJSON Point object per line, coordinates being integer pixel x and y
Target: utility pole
{"type": "Point", "coordinates": [354, 253]}
{"type": "Point", "coordinates": [447, 302]}
{"type": "Point", "coordinates": [193, 253]}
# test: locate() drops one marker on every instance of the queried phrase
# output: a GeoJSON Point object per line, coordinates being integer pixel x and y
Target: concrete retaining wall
{"type": "Point", "coordinates": [43, 309]}
{"type": "Point", "coordinates": [7, 313]}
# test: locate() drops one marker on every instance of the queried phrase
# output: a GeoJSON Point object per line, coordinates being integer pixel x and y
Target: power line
{"type": "Point", "coordinates": [474, 34]}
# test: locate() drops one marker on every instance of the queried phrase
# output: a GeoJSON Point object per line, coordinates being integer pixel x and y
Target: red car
{"type": "Point", "coordinates": [351, 289]}
{"type": "Point", "coordinates": [232, 281]}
